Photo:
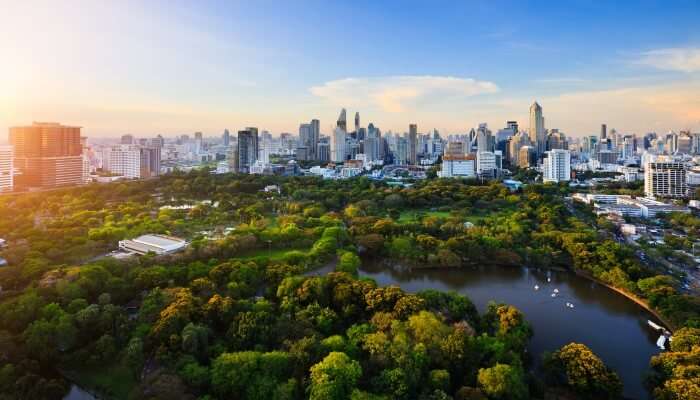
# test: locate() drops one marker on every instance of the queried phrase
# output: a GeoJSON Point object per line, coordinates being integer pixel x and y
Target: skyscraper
{"type": "Point", "coordinates": [47, 155]}
{"type": "Point", "coordinates": [342, 121]}
{"type": "Point", "coordinates": [256, 141]}
{"type": "Point", "coordinates": [339, 150]}
{"type": "Point", "coordinates": [315, 136]}
{"type": "Point", "coordinates": [6, 174]}
{"type": "Point", "coordinates": [339, 145]}
{"type": "Point", "coordinates": [226, 138]}
{"type": "Point", "coordinates": [537, 132]}
{"type": "Point", "coordinates": [150, 162]}
{"type": "Point", "coordinates": [246, 152]}
{"type": "Point", "coordinates": [603, 131]}
{"type": "Point", "coordinates": [308, 139]}
{"type": "Point", "coordinates": [198, 142]}
{"type": "Point", "coordinates": [303, 149]}
{"type": "Point", "coordinates": [357, 122]}
{"type": "Point", "coordinates": [412, 143]}
{"type": "Point", "coordinates": [484, 139]}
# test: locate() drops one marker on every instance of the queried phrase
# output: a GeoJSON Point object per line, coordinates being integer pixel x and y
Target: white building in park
{"type": "Point", "coordinates": [158, 244]}
{"type": "Point", "coordinates": [486, 163]}
{"type": "Point", "coordinates": [458, 166]}
{"type": "Point", "coordinates": [557, 166]}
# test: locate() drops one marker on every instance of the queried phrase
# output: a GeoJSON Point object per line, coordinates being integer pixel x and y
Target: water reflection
{"type": "Point", "coordinates": [610, 324]}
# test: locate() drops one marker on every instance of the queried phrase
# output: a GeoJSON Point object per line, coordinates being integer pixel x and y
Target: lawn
{"type": "Point", "coordinates": [114, 381]}
{"type": "Point", "coordinates": [274, 254]}
{"type": "Point", "coordinates": [474, 216]}
{"type": "Point", "coordinates": [414, 215]}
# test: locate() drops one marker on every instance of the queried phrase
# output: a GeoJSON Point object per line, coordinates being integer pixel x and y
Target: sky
{"type": "Point", "coordinates": [173, 67]}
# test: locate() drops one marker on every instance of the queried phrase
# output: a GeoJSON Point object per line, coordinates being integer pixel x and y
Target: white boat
{"type": "Point", "coordinates": [655, 326]}
{"type": "Point", "coordinates": [661, 342]}
{"type": "Point", "coordinates": [556, 290]}
{"type": "Point", "coordinates": [554, 295]}
{"type": "Point", "coordinates": [537, 287]}
{"type": "Point", "coordinates": [571, 305]}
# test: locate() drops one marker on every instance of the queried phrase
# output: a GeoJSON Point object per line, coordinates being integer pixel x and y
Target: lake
{"type": "Point", "coordinates": [611, 325]}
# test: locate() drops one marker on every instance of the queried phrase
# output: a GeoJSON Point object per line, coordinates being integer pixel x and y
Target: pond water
{"type": "Point", "coordinates": [614, 327]}
{"type": "Point", "coordinates": [76, 393]}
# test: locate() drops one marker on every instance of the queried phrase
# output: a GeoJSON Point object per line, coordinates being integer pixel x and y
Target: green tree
{"type": "Point", "coordinates": [578, 368]}
{"type": "Point", "coordinates": [334, 378]}
{"type": "Point", "coordinates": [503, 381]}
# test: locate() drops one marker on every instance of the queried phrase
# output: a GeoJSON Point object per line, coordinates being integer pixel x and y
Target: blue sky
{"type": "Point", "coordinates": [177, 67]}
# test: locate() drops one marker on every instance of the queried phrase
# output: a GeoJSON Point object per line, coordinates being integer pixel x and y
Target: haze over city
{"type": "Point", "coordinates": [169, 68]}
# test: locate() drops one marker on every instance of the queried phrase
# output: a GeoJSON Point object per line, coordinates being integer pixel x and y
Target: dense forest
{"type": "Point", "coordinates": [240, 314]}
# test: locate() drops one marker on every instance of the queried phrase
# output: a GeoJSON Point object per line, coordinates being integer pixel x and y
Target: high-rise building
{"type": "Point", "coordinates": [315, 135]}
{"type": "Point", "coordinates": [357, 122]}
{"type": "Point", "coordinates": [47, 155]}
{"type": "Point", "coordinates": [484, 139]}
{"type": "Point", "coordinates": [372, 143]}
{"type": "Point", "coordinates": [6, 170]}
{"type": "Point", "coordinates": [603, 131]}
{"type": "Point", "coordinates": [324, 149]}
{"type": "Point", "coordinates": [512, 125]}
{"type": "Point", "coordinates": [124, 160]}
{"type": "Point", "coordinates": [308, 138]}
{"type": "Point", "coordinates": [158, 141]}
{"type": "Point", "coordinates": [412, 144]}
{"type": "Point", "coordinates": [486, 163]}
{"type": "Point", "coordinates": [665, 179]}
{"type": "Point", "coordinates": [150, 161]}
{"type": "Point", "coordinates": [246, 152]}
{"type": "Point", "coordinates": [342, 120]}
{"type": "Point", "coordinates": [226, 138]}
{"type": "Point", "coordinates": [401, 155]}
{"type": "Point", "coordinates": [526, 156]}
{"type": "Point", "coordinates": [198, 142]}
{"type": "Point", "coordinates": [517, 142]}
{"type": "Point", "coordinates": [557, 140]}
{"type": "Point", "coordinates": [127, 139]}
{"type": "Point", "coordinates": [557, 166]}
{"type": "Point", "coordinates": [684, 143]}
{"type": "Point", "coordinates": [537, 132]}
{"type": "Point", "coordinates": [303, 149]}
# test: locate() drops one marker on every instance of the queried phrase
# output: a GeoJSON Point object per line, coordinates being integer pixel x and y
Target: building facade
{"type": "Point", "coordinates": [6, 169]}
{"type": "Point", "coordinates": [557, 166]}
{"type": "Point", "coordinates": [665, 179]}
{"type": "Point", "coordinates": [47, 155]}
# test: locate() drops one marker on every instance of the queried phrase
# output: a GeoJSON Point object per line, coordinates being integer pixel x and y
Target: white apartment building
{"type": "Point", "coordinates": [338, 152]}
{"type": "Point", "coordinates": [665, 179]}
{"type": "Point", "coordinates": [458, 166]}
{"type": "Point", "coordinates": [485, 162]}
{"type": "Point", "coordinates": [6, 169]}
{"type": "Point", "coordinates": [557, 166]}
{"type": "Point", "coordinates": [125, 160]}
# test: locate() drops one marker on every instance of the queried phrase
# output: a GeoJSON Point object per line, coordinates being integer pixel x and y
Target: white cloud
{"type": "Point", "coordinates": [683, 59]}
{"type": "Point", "coordinates": [394, 93]}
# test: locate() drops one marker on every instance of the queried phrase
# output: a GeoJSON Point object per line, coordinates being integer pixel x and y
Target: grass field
{"type": "Point", "coordinates": [274, 254]}
{"type": "Point", "coordinates": [414, 215]}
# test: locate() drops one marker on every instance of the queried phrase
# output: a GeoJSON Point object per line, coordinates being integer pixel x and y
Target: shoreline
{"type": "Point", "coordinates": [640, 302]}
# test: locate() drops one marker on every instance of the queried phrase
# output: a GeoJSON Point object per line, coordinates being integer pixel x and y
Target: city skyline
{"type": "Point", "coordinates": [152, 68]}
